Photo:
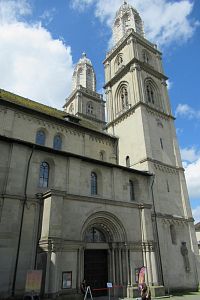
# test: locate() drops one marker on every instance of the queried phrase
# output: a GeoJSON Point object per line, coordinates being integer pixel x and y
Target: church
{"type": "Point", "coordinates": [97, 191]}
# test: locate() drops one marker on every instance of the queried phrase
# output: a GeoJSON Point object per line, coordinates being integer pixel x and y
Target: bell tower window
{"type": "Point", "coordinates": [152, 92]}
{"type": "Point", "coordinates": [118, 62]}
{"type": "Point", "coordinates": [90, 108]}
{"type": "Point", "coordinates": [146, 57]}
{"type": "Point", "coordinates": [124, 97]}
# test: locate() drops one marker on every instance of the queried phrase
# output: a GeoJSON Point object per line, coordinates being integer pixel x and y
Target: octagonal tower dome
{"type": "Point", "coordinates": [126, 18]}
{"type": "Point", "coordinates": [84, 74]}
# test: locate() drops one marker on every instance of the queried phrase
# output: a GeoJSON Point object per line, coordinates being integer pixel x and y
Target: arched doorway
{"type": "Point", "coordinates": [104, 236]}
{"type": "Point", "coordinates": [96, 261]}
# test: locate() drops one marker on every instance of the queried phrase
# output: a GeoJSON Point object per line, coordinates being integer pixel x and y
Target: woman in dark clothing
{"type": "Point", "coordinates": [83, 287]}
{"type": "Point", "coordinates": [145, 292]}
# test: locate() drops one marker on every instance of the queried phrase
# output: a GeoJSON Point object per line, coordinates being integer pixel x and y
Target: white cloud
{"type": "Point", "coordinates": [12, 10]}
{"type": "Point", "coordinates": [184, 110]}
{"type": "Point", "coordinates": [192, 174]}
{"type": "Point", "coordinates": [191, 163]}
{"type": "Point", "coordinates": [48, 15]}
{"type": "Point", "coordinates": [169, 84]}
{"type": "Point", "coordinates": [190, 154]}
{"type": "Point", "coordinates": [33, 64]}
{"type": "Point", "coordinates": [164, 21]}
{"type": "Point", "coordinates": [81, 4]}
{"type": "Point", "coordinates": [196, 214]}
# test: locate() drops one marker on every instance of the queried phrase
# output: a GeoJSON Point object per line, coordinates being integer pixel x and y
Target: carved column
{"type": "Point", "coordinates": [154, 268]}
{"type": "Point", "coordinates": [113, 265]}
{"type": "Point", "coordinates": [120, 265]}
{"type": "Point", "coordinates": [139, 85]}
{"type": "Point", "coordinates": [147, 237]}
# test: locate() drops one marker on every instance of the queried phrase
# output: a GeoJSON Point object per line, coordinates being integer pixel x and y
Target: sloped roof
{"type": "Point", "coordinates": [50, 111]}
{"type": "Point", "coordinates": [27, 103]}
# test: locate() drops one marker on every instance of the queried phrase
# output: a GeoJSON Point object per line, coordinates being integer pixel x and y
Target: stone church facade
{"type": "Point", "coordinates": [84, 197]}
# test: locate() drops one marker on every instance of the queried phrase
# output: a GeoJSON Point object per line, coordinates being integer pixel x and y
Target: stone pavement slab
{"type": "Point", "coordinates": [186, 296]}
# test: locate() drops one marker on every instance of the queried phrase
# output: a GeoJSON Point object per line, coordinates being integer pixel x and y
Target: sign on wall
{"type": "Point", "coordinates": [67, 280]}
{"type": "Point", "coordinates": [33, 281]}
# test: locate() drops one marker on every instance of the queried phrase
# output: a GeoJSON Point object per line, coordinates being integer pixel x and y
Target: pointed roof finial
{"type": "Point", "coordinates": [83, 54]}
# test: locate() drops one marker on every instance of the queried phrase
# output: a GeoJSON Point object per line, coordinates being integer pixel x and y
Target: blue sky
{"type": "Point", "coordinates": [42, 40]}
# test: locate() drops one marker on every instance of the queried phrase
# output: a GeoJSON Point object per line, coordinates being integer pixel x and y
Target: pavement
{"type": "Point", "coordinates": [185, 296]}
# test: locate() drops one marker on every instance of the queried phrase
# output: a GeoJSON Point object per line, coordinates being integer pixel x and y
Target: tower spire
{"type": "Point", "coordinates": [84, 74]}
{"type": "Point", "coordinates": [127, 18]}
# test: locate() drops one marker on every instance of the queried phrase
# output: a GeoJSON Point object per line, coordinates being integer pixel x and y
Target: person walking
{"type": "Point", "coordinates": [83, 287]}
{"type": "Point", "coordinates": [145, 292]}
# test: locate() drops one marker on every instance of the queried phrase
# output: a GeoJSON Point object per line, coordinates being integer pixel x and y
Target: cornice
{"type": "Point", "coordinates": [154, 111]}
{"type": "Point", "coordinates": [54, 244]}
{"type": "Point", "coordinates": [88, 93]}
{"type": "Point", "coordinates": [132, 109]}
{"type": "Point", "coordinates": [127, 68]}
{"type": "Point", "coordinates": [162, 166]}
{"type": "Point", "coordinates": [70, 154]}
{"type": "Point", "coordinates": [50, 121]}
{"type": "Point", "coordinates": [98, 199]}
{"type": "Point", "coordinates": [88, 117]}
{"type": "Point", "coordinates": [173, 219]}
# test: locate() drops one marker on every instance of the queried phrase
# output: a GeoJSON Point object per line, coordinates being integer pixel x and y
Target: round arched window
{"type": "Point", "coordinates": [94, 235]}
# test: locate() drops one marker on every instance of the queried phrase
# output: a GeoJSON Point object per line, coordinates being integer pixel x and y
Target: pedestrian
{"type": "Point", "coordinates": [83, 287]}
{"type": "Point", "coordinates": [145, 292]}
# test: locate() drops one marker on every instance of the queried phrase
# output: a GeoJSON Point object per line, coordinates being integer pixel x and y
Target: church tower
{"type": "Point", "coordinates": [139, 113]}
{"type": "Point", "coordinates": [84, 101]}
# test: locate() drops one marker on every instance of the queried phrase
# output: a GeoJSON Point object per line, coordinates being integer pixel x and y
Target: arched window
{"type": "Point", "coordinates": [138, 25]}
{"type": "Point", "coordinates": [131, 190]}
{"type": "Point", "coordinates": [124, 97]}
{"type": "Point", "coordinates": [94, 235]}
{"type": "Point", "coordinates": [118, 62]}
{"type": "Point", "coordinates": [173, 234]}
{"type": "Point", "coordinates": [90, 108]}
{"type": "Point", "coordinates": [80, 76]}
{"type": "Point", "coordinates": [57, 142]}
{"type": "Point", "coordinates": [126, 20]}
{"type": "Point", "coordinates": [40, 137]}
{"type": "Point", "coordinates": [44, 175]}
{"type": "Point", "coordinates": [117, 22]}
{"type": "Point", "coordinates": [128, 161]}
{"type": "Point", "coordinates": [146, 57]}
{"type": "Point", "coordinates": [152, 92]}
{"type": "Point", "coordinates": [93, 183]}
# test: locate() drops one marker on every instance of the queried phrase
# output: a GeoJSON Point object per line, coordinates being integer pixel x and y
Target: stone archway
{"type": "Point", "coordinates": [104, 254]}
{"type": "Point", "coordinates": [108, 223]}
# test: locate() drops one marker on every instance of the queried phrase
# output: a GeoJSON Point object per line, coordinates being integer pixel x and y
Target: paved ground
{"type": "Point", "coordinates": [188, 296]}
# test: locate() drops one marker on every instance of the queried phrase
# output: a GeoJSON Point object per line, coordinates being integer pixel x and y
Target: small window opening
{"type": "Point", "coordinates": [90, 108]}
{"type": "Point", "coordinates": [44, 175]}
{"type": "Point", "coordinates": [128, 161]}
{"type": "Point", "coordinates": [131, 190]}
{"type": "Point", "coordinates": [168, 186]}
{"type": "Point", "coordinates": [161, 143]}
{"type": "Point", "coordinates": [173, 234]}
{"type": "Point", "coordinates": [93, 183]}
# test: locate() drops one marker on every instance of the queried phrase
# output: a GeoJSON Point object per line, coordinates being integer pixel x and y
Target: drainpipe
{"type": "Point", "coordinates": [156, 231]}
{"type": "Point", "coordinates": [21, 223]}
